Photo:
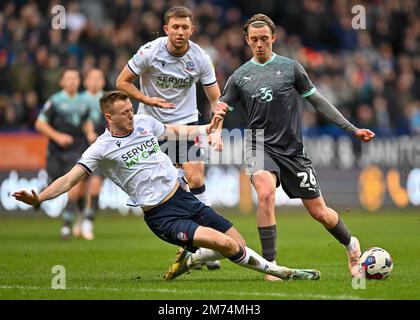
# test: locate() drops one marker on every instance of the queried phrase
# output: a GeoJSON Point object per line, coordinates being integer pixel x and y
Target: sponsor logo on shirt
{"type": "Point", "coordinates": [165, 82]}
{"type": "Point", "coordinates": [264, 94]}
{"type": "Point", "coordinates": [142, 152]}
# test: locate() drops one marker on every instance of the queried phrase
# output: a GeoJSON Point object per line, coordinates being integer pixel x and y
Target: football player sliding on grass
{"type": "Point", "coordinates": [128, 153]}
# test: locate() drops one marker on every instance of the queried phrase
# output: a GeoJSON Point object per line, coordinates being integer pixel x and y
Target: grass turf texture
{"type": "Point", "coordinates": [126, 260]}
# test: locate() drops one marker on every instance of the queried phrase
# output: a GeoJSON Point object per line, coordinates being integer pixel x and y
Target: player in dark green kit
{"type": "Point", "coordinates": [64, 119]}
{"type": "Point", "coordinates": [268, 87]}
{"type": "Point", "coordinates": [94, 83]}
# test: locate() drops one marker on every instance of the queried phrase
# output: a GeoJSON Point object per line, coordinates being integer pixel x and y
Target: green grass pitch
{"type": "Point", "coordinates": [126, 261]}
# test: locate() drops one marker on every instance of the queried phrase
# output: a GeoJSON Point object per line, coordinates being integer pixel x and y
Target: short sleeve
{"type": "Point", "coordinates": [90, 158]}
{"type": "Point", "coordinates": [140, 60]}
{"type": "Point", "coordinates": [208, 75]}
{"type": "Point", "coordinates": [47, 111]}
{"type": "Point", "coordinates": [158, 128]}
{"type": "Point", "coordinates": [230, 94]}
{"type": "Point", "coordinates": [303, 84]}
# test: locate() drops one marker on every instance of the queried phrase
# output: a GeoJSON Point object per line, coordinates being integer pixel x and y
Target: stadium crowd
{"type": "Point", "coordinates": [371, 75]}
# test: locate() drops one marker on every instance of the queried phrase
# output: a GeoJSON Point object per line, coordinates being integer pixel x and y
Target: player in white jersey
{"type": "Point", "coordinates": [129, 154]}
{"type": "Point", "coordinates": [168, 69]}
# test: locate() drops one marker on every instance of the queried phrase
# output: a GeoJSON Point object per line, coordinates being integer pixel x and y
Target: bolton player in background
{"type": "Point", "coordinates": [268, 88]}
{"type": "Point", "coordinates": [168, 69]}
{"type": "Point", "coordinates": [64, 119]}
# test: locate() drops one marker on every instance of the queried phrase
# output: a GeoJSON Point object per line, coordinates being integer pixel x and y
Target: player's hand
{"type": "Point", "coordinates": [28, 198]}
{"type": "Point", "coordinates": [365, 134]}
{"type": "Point", "coordinates": [221, 106]}
{"type": "Point", "coordinates": [64, 140]}
{"type": "Point", "coordinates": [160, 103]}
{"type": "Point", "coordinates": [218, 116]}
{"type": "Point", "coordinates": [91, 137]}
{"type": "Point", "coordinates": [215, 140]}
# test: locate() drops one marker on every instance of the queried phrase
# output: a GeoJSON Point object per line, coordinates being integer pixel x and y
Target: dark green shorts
{"type": "Point", "coordinates": [295, 174]}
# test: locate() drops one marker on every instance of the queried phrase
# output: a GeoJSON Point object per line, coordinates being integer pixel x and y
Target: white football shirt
{"type": "Point", "coordinates": [172, 78]}
{"type": "Point", "coordinates": [134, 162]}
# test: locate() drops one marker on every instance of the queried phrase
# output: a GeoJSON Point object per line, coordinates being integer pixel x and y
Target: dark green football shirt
{"type": "Point", "coordinates": [269, 93]}
{"type": "Point", "coordinates": [66, 114]}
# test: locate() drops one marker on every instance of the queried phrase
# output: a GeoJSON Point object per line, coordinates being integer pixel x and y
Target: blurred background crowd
{"type": "Point", "coordinates": [371, 75]}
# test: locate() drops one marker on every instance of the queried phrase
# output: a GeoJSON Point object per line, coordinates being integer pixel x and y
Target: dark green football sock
{"type": "Point", "coordinates": [268, 238]}
{"type": "Point", "coordinates": [341, 232]}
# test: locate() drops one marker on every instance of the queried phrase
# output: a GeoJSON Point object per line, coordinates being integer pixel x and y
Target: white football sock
{"type": "Point", "coordinates": [350, 246]}
{"type": "Point", "coordinates": [203, 198]}
{"type": "Point", "coordinates": [204, 254]}
{"type": "Point", "coordinates": [252, 260]}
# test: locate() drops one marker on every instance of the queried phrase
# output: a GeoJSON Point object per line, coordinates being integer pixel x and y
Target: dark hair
{"type": "Point", "coordinates": [259, 20]}
{"type": "Point", "coordinates": [177, 12]}
{"type": "Point", "coordinates": [109, 97]}
{"type": "Point", "coordinates": [69, 69]}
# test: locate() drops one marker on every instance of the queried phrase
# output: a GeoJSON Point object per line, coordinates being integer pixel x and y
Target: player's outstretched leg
{"type": "Point", "coordinates": [224, 246]}
{"type": "Point", "coordinates": [338, 229]}
{"type": "Point", "coordinates": [353, 255]}
{"type": "Point", "coordinates": [247, 258]}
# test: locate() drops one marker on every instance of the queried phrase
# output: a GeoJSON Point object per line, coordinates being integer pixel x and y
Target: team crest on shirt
{"type": "Point", "coordinates": [190, 66]}
{"type": "Point", "coordinates": [182, 236]}
{"type": "Point", "coordinates": [142, 132]}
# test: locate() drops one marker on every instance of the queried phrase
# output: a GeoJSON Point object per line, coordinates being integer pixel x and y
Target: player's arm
{"type": "Point", "coordinates": [331, 113]}
{"type": "Point", "coordinates": [62, 139]}
{"type": "Point", "coordinates": [182, 132]}
{"type": "Point", "coordinates": [229, 96]}
{"type": "Point", "coordinates": [125, 83]}
{"type": "Point", "coordinates": [213, 95]}
{"type": "Point", "coordinates": [307, 90]}
{"type": "Point", "coordinates": [89, 130]}
{"type": "Point", "coordinates": [55, 189]}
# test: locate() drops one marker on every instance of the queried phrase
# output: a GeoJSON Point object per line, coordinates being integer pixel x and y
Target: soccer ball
{"type": "Point", "coordinates": [376, 262]}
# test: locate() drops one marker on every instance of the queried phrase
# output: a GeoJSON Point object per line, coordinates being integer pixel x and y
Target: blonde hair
{"type": "Point", "coordinates": [109, 98]}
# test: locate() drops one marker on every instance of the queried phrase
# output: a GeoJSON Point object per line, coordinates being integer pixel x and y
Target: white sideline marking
{"type": "Point", "coordinates": [175, 291]}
